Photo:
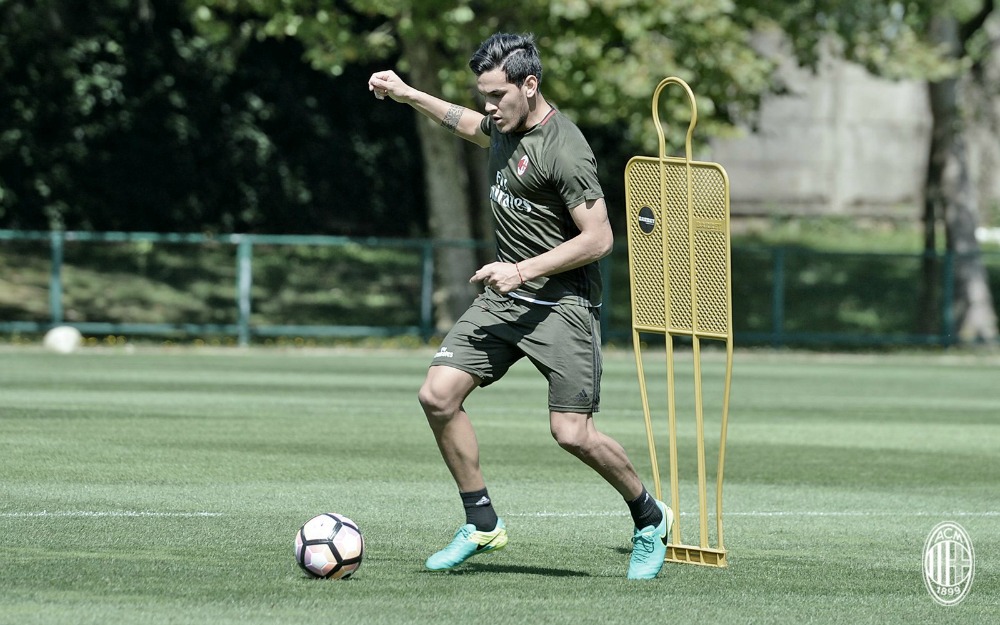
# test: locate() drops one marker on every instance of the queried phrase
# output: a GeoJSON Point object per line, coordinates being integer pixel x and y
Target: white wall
{"type": "Point", "coordinates": [842, 143]}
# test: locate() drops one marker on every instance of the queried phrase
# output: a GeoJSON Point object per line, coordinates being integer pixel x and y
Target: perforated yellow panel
{"type": "Point", "coordinates": [642, 181]}
{"type": "Point", "coordinates": [664, 271]}
{"type": "Point", "coordinates": [679, 269]}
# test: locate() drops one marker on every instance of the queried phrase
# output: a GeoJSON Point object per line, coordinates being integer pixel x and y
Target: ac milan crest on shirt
{"type": "Point", "coordinates": [522, 165]}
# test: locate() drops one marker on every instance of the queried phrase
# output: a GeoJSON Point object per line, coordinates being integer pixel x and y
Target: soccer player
{"type": "Point", "coordinates": [541, 299]}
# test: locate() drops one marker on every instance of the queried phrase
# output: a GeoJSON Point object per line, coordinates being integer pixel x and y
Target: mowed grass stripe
{"type": "Point", "coordinates": [838, 467]}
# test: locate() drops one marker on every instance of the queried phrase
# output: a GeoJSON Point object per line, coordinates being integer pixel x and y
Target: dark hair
{"type": "Point", "coordinates": [515, 54]}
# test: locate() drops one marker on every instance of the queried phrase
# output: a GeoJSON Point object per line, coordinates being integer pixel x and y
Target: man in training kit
{"type": "Point", "coordinates": [541, 297]}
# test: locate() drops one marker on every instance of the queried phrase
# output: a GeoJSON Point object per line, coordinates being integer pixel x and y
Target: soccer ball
{"type": "Point", "coordinates": [330, 546]}
{"type": "Point", "coordinates": [63, 339]}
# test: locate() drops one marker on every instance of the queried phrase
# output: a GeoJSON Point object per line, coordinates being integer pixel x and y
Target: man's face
{"type": "Point", "coordinates": [506, 103]}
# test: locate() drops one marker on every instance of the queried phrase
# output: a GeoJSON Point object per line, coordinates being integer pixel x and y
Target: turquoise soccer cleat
{"type": "Point", "coordinates": [468, 542]}
{"type": "Point", "coordinates": [649, 547]}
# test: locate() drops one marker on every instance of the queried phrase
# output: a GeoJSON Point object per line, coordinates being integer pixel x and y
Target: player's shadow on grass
{"type": "Point", "coordinates": [520, 570]}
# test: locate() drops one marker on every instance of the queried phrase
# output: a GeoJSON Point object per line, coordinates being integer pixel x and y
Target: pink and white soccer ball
{"type": "Point", "coordinates": [329, 545]}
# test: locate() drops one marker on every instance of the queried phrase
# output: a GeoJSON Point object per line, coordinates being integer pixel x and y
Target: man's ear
{"type": "Point", "coordinates": [530, 86]}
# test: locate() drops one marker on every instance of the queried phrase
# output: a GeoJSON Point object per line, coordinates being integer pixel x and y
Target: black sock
{"type": "Point", "coordinates": [644, 510]}
{"type": "Point", "coordinates": [479, 510]}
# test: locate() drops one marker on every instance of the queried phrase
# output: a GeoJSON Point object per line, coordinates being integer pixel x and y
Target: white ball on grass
{"type": "Point", "coordinates": [63, 339]}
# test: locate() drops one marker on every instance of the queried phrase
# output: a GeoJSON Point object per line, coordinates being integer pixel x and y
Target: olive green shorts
{"type": "Point", "coordinates": [563, 342]}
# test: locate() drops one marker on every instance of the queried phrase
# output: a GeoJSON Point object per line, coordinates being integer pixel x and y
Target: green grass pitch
{"type": "Point", "coordinates": [165, 486]}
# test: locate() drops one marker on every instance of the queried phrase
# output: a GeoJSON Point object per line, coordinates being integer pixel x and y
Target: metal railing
{"type": "Point", "coordinates": [782, 295]}
{"type": "Point", "coordinates": [241, 328]}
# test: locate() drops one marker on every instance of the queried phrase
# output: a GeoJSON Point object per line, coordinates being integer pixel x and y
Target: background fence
{"type": "Point", "coordinates": [251, 286]}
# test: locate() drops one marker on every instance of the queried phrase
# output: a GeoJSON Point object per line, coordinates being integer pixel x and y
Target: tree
{"type": "Point", "coordinates": [950, 192]}
{"type": "Point", "coordinates": [602, 60]}
{"type": "Point", "coordinates": [942, 43]}
{"type": "Point", "coordinates": [116, 115]}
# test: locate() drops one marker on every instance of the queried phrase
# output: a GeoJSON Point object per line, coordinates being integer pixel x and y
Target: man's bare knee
{"type": "Point", "coordinates": [570, 436]}
{"type": "Point", "coordinates": [571, 444]}
{"type": "Point", "coordinates": [436, 404]}
{"type": "Point", "coordinates": [443, 392]}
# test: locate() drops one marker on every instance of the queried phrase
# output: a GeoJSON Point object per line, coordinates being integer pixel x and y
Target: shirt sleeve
{"type": "Point", "coordinates": [575, 174]}
{"type": "Point", "coordinates": [486, 125]}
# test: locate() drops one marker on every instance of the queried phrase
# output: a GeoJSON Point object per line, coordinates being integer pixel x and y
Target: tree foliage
{"type": "Point", "coordinates": [602, 58]}
{"type": "Point", "coordinates": [117, 115]}
{"type": "Point", "coordinates": [890, 38]}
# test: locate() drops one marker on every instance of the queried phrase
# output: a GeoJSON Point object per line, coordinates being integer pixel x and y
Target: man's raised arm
{"type": "Point", "coordinates": [457, 119]}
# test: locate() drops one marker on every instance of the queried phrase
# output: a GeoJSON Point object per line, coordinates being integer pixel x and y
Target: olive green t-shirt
{"type": "Point", "coordinates": [536, 177]}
